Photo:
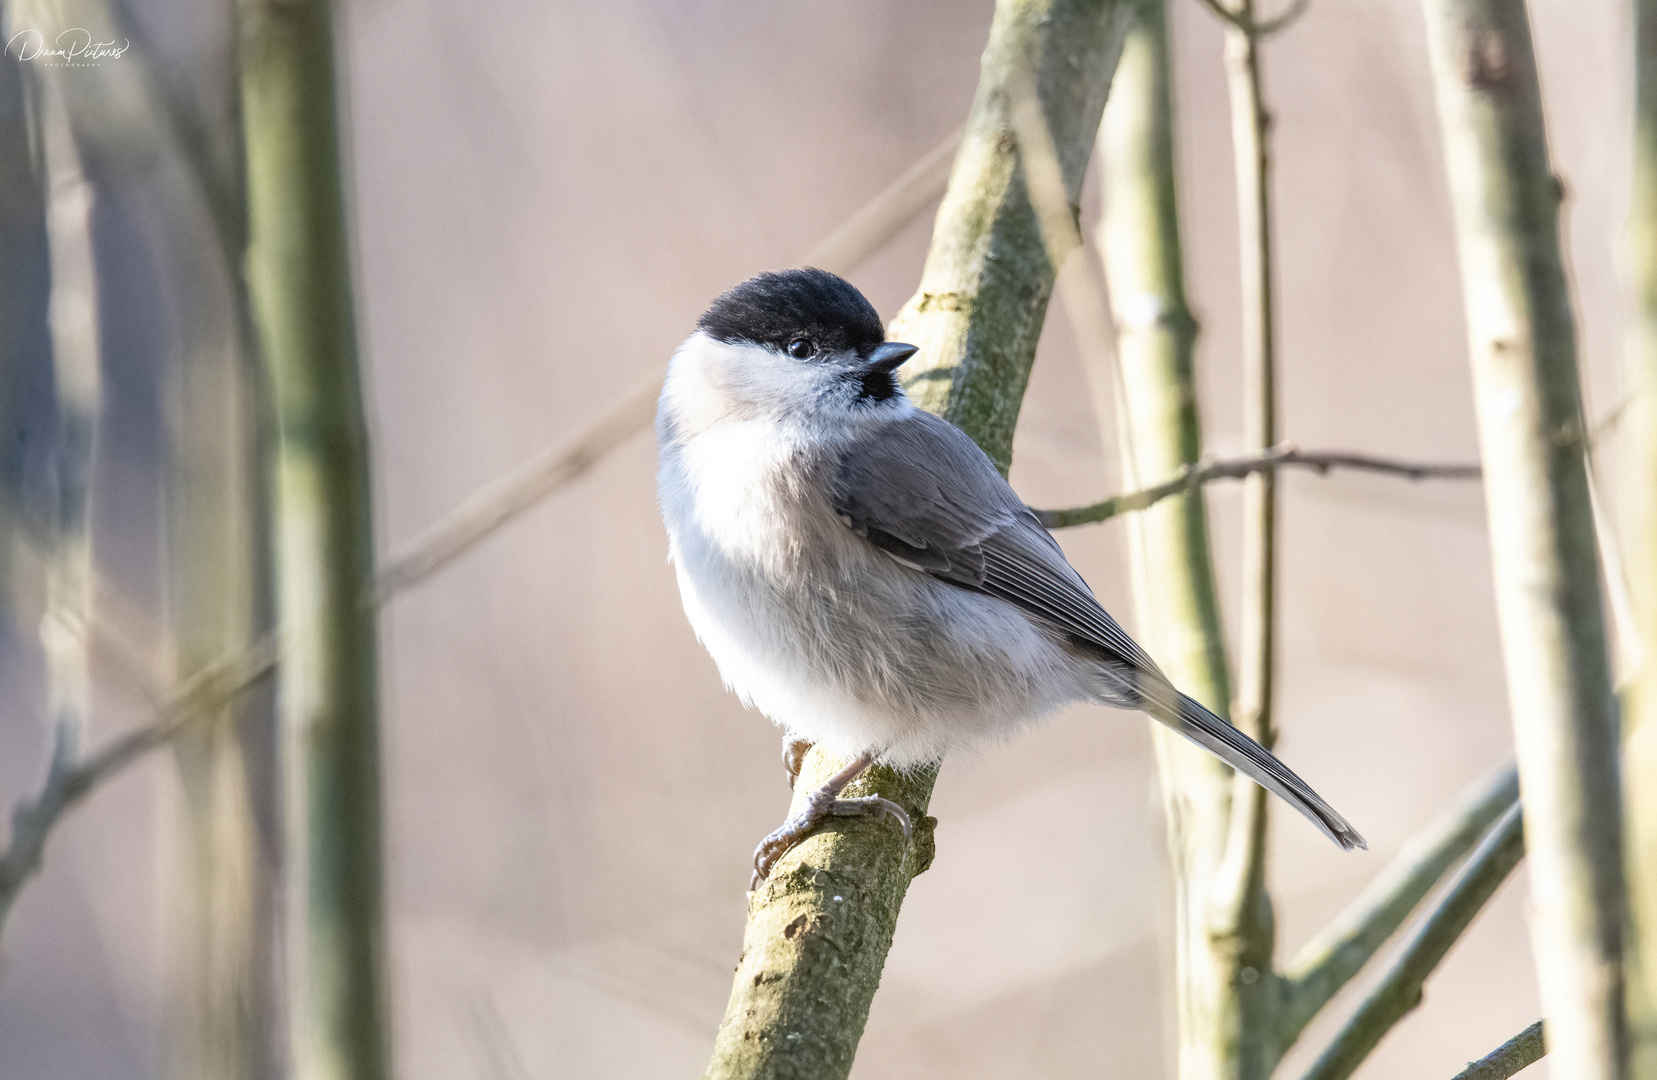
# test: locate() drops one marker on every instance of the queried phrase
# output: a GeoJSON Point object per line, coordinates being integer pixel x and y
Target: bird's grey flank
{"type": "Point", "coordinates": [862, 574]}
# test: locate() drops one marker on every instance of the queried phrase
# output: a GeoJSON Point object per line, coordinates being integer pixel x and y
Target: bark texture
{"type": "Point", "coordinates": [1522, 341]}
{"type": "Point", "coordinates": [1517, 1054]}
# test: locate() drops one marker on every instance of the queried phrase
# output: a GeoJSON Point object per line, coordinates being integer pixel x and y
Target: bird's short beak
{"type": "Point", "coordinates": [887, 357]}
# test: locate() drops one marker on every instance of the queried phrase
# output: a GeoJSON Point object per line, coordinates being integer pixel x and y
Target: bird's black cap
{"type": "Point", "coordinates": [775, 308]}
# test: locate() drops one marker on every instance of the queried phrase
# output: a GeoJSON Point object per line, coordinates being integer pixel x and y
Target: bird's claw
{"type": "Point", "coordinates": [819, 806]}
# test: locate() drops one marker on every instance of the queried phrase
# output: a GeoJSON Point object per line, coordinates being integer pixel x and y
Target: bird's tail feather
{"type": "Point", "coordinates": [1191, 719]}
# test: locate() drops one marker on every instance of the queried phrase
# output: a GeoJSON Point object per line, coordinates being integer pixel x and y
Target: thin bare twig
{"type": "Point", "coordinates": [68, 779]}
{"type": "Point", "coordinates": [1399, 990]}
{"type": "Point", "coordinates": [1344, 946]}
{"type": "Point", "coordinates": [1236, 900]}
{"type": "Point", "coordinates": [1278, 457]}
{"type": "Point", "coordinates": [1520, 1052]}
{"type": "Point", "coordinates": [1263, 28]}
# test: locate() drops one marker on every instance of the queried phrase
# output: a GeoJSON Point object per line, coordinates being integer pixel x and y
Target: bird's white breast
{"type": "Point", "coordinates": [823, 632]}
{"type": "Point", "coordinates": [732, 492]}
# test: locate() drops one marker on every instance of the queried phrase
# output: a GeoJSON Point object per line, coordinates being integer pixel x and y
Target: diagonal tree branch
{"type": "Point", "coordinates": [503, 500]}
{"type": "Point", "coordinates": [1639, 718]}
{"type": "Point", "coordinates": [1283, 456]}
{"type": "Point", "coordinates": [1400, 988]}
{"type": "Point", "coordinates": [1343, 947]}
{"type": "Point", "coordinates": [69, 780]}
{"type": "Point", "coordinates": [1520, 1052]}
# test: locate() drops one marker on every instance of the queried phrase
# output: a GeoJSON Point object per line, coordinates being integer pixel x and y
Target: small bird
{"type": "Point", "coordinates": [862, 574]}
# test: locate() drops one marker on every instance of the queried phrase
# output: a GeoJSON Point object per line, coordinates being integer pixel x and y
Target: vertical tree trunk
{"type": "Point", "coordinates": [1531, 432]}
{"type": "Point", "coordinates": [1238, 908]}
{"type": "Point", "coordinates": [1178, 609]}
{"type": "Point", "coordinates": [299, 280]}
{"type": "Point", "coordinates": [1640, 717]}
{"type": "Point", "coordinates": [219, 606]}
{"type": "Point", "coordinates": [23, 301]}
{"type": "Point", "coordinates": [72, 316]}
{"type": "Point", "coordinates": [820, 927]}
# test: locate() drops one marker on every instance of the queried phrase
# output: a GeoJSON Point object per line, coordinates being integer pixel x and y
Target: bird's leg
{"type": "Point", "coordinates": [793, 757]}
{"type": "Point", "coordinates": [825, 802]}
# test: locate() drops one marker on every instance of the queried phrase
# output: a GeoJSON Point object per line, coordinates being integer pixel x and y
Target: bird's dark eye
{"type": "Point", "coordinates": [801, 348]}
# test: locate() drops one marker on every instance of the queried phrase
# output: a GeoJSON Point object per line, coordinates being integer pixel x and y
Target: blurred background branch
{"type": "Point", "coordinates": [71, 778]}
{"type": "Point", "coordinates": [299, 278]}
{"type": "Point", "coordinates": [1640, 695]}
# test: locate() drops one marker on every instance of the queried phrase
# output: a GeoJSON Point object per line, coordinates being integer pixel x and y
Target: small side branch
{"type": "Point", "coordinates": [1520, 1052]}
{"type": "Point", "coordinates": [1278, 457]}
{"type": "Point", "coordinates": [69, 779]}
{"type": "Point", "coordinates": [1341, 950]}
{"type": "Point", "coordinates": [1399, 990]}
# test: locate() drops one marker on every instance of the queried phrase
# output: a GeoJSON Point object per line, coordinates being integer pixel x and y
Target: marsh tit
{"type": "Point", "coordinates": [860, 571]}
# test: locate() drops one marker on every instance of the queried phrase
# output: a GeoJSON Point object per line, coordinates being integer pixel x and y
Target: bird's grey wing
{"type": "Point", "coordinates": [923, 492]}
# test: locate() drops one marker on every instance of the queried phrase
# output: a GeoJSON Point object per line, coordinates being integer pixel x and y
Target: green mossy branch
{"type": "Point", "coordinates": [1400, 987]}
{"type": "Point", "coordinates": [299, 280]}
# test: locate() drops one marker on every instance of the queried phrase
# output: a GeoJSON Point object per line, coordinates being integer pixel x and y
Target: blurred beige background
{"type": "Point", "coordinates": [546, 195]}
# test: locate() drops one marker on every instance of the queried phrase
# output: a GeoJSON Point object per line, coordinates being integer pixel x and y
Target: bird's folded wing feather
{"type": "Point", "coordinates": [923, 492]}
